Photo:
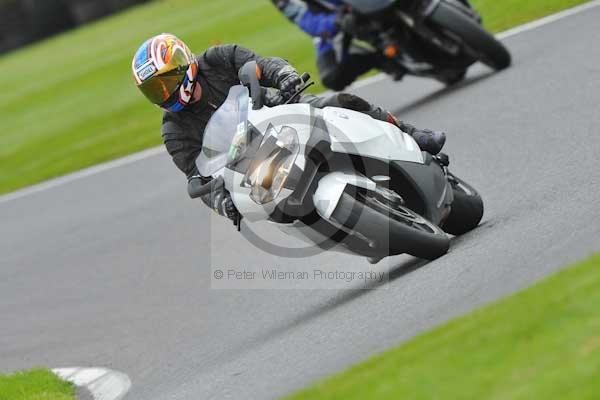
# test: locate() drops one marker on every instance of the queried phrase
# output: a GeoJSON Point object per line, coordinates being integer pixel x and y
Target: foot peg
{"type": "Point", "coordinates": [443, 159]}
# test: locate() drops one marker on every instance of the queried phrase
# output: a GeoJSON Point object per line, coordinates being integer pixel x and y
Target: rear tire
{"type": "Point", "coordinates": [484, 46]}
{"type": "Point", "coordinates": [467, 209]}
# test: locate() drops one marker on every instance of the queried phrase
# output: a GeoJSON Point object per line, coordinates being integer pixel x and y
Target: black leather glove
{"type": "Point", "coordinates": [354, 25]}
{"type": "Point", "coordinates": [347, 22]}
{"type": "Point", "coordinates": [228, 208]}
{"type": "Point", "coordinates": [221, 202]}
{"type": "Point", "coordinates": [219, 199]}
{"type": "Point", "coordinates": [288, 81]}
{"type": "Point", "coordinates": [273, 98]}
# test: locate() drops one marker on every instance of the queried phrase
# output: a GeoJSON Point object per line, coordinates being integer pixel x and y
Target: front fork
{"type": "Point", "coordinates": [392, 45]}
{"type": "Point", "coordinates": [444, 161]}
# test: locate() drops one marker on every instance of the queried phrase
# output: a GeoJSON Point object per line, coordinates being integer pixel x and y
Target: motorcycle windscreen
{"type": "Point", "coordinates": [225, 137]}
{"type": "Point", "coordinates": [369, 6]}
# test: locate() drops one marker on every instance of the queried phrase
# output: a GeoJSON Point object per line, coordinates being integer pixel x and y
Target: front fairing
{"type": "Point", "coordinates": [358, 134]}
{"type": "Point", "coordinates": [226, 134]}
{"type": "Point", "coordinates": [295, 116]}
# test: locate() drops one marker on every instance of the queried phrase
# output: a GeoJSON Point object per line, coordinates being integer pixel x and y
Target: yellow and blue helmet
{"type": "Point", "coordinates": [165, 70]}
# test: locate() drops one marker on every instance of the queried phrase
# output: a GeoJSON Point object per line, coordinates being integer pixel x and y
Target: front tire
{"type": "Point", "coordinates": [407, 232]}
{"type": "Point", "coordinates": [467, 209]}
{"type": "Point", "coordinates": [450, 78]}
{"type": "Point", "coordinates": [484, 46]}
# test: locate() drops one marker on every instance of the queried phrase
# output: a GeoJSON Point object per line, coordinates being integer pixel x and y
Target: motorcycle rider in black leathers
{"type": "Point", "coordinates": [191, 88]}
{"type": "Point", "coordinates": [325, 21]}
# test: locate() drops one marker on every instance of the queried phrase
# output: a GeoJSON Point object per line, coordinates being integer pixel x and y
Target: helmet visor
{"type": "Point", "coordinates": [167, 80]}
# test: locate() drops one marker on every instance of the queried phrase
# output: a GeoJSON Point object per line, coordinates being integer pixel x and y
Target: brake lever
{"type": "Point", "coordinates": [305, 77]}
{"type": "Point", "coordinates": [299, 92]}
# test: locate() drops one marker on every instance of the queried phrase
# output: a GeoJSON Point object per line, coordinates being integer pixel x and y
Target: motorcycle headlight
{"type": "Point", "coordinates": [272, 164]}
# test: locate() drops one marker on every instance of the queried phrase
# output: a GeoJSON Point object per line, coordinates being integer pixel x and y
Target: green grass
{"type": "Point", "coordinates": [38, 384]}
{"type": "Point", "coordinates": [70, 102]}
{"type": "Point", "coordinates": [542, 343]}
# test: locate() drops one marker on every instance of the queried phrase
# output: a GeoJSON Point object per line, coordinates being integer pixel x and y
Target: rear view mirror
{"type": "Point", "coordinates": [248, 76]}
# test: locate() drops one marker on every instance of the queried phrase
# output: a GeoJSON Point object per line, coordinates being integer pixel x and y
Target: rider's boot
{"type": "Point", "coordinates": [428, 140]}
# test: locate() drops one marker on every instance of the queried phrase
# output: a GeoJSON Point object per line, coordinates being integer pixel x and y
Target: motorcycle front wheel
{"type": "Point", "coordinates": [483, 45]}
{"type": "Point", "coordinates": [391, 228]}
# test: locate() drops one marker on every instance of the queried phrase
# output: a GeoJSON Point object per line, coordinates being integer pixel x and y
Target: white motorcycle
{"type": "Point", "coordinates": [337, 178]}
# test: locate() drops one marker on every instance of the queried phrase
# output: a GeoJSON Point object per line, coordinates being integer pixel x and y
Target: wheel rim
{"type": "Point", "coordinates": [397, 211]}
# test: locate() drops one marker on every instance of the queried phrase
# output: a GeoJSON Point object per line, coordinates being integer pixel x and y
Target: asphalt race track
{"type": "Point", "coordinates": [114, 270]}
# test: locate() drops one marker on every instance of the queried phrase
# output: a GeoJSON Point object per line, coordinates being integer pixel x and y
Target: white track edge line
{"type": "Point", "coordinates": [132, 158]}
{"type": "Point", "coordinates": [84, 173]}
{"type": "Point", "coordinates": [102, 383]}
{"type": "Point", "coordinates": [548, 19]}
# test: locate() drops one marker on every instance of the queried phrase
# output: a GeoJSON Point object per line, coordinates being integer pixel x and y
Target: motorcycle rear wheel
{"type": "Point", "coordinates": [467, 209]}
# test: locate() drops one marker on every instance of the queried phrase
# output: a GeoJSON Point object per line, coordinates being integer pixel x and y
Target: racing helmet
{"type": "Point", "coordinates": [165, 70]}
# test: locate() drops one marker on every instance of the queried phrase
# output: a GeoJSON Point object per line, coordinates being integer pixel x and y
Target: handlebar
{"type": "Point", "coordinates": [197, 189]}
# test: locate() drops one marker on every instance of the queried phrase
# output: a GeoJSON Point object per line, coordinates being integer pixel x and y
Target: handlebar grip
{"type": "Point", "coordinates": [196, 189]}
{"type": "Point", "coordinates": [305, 77]}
